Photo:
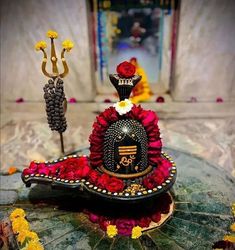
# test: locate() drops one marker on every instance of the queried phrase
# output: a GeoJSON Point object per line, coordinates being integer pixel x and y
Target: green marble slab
{"type": "Point", "coordinates": [203, 196]}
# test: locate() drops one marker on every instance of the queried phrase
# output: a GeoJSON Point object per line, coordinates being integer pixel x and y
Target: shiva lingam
{"type": "Point", "coordinates": [126, 164]}
{"type": "Point", "coordinates": [56, 103]}
{"type": "Point", "coordinates": [126, 161]}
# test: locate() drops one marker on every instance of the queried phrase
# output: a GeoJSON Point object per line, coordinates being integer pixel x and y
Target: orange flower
{"type": "Point", "coordinates": [12, 170]}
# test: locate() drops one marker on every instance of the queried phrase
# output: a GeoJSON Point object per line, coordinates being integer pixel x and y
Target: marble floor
{"type": "Point", "coordinates": [25, 135]}
{"type": "Point", "coordinates": [58, 217]}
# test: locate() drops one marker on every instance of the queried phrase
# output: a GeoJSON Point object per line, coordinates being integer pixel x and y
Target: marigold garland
{"type": "Point", "coordinates": [20, 224]}
{"type": "Point", "coordinates": [18, 212]}
{"type": "Point", "coordinates": [28, 240]}
{"type": "Point", "coordinates": [24, 235]}
{"type": "Point", "coordinates": [34, 245]}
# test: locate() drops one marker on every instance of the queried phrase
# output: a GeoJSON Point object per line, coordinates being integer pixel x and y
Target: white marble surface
{"type": "Point", "coordinates": [205, 59]}
{"type": "Point", "coordinates": [25, 135]}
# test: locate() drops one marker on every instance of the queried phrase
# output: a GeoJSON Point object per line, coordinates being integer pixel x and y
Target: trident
{"type": "Point", "coordinates": [56, 122]}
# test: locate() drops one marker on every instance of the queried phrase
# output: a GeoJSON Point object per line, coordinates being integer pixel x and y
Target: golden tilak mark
{"type": "Point", "coordinates": [127, 150]}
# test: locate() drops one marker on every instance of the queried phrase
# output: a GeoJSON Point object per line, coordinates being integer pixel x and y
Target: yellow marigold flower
{"type": "Point", "coordinates": [232, 227]}
{"type": "Point", "coordinates": [111, 231]}
{"type": "Point", "coordinates": [27, 235]}
{"type": "Point", "coordinates": [136, 232]}
{"type": "Point", "coordinates": [32, 235]}
{"type": "Point", "coordinates": [18, 212]}
{"type": "Point", "coordinates": [67, 44]}
{"type": "Point", "coordinates": [21, 236]}
{"type": "Point", "coordinates": [230, 238]}
{"type": "Point", "coordinates": [52, 34]}
{"type": "Point", "coordinates": [40, 45]}
{"type": "Point", "coordinates": [20, 224]}
{"type": "Point", "coordinates": [34, 245]}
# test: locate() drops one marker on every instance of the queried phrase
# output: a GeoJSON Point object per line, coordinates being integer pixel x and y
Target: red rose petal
{"type": "Point", "coordinates": [114, 185]}
{"type": "Point", "coordinates": [156, 217]}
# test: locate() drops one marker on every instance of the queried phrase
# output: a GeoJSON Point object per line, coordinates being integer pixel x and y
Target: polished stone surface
{"type": "Point", "coordinates": [203, 195]}
{"type": "Point", "coordinates": [204, 130]}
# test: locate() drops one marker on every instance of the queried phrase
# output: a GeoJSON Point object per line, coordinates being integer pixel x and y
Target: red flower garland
{"type": "Point", "coordinates": [159, 175]}
{"type": "Point", "coordinates": [76, 169]}
{"type": "Point", "coordinates": [147, 118]}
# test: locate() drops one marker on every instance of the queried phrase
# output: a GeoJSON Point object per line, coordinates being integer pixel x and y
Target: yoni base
{"type": "Point", "coordinates": [147, 217]}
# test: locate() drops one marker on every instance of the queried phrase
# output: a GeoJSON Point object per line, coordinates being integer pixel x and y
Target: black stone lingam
{"type": "Point", "coordinates": [124, 154]}
{"type": "Point", "coordinates": [124, 86]}
{"type": "Point", "coordinates": [125, 141]}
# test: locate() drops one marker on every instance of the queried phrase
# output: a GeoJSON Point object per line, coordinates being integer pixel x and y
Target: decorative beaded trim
{"type": "Point", "coordinates": [105, 192]}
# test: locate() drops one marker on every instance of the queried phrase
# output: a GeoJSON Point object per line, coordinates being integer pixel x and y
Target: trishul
{"type": "Point", "coordinates": [67, 46]}
{"type": "Point", "coordinates": [55, 73]}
